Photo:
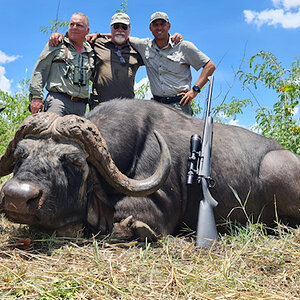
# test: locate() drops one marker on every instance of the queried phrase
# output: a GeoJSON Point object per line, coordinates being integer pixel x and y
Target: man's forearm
{"type": "Point", "coordinates": [207, 71]}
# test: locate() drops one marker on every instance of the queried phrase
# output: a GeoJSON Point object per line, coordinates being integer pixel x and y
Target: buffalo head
{"type": "Point", "coordinates": [60, 165]}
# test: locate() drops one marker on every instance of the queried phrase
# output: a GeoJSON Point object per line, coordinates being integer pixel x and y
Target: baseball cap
{"type": "Point", "coordinates": [120, 18]}
{"type": "Point", "coordinates": [159, 16]}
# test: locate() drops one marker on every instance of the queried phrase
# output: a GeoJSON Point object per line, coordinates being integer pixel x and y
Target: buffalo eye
{"type": "Point", "coordinates": [21, 153]}
{"type": "Point", "coordinates": [73, 159]}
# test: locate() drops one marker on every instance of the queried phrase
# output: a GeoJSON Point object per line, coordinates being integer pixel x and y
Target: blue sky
{"type": "Point", "coordinates": [225, 30]}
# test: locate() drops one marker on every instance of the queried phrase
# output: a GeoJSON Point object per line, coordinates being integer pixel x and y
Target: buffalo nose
{"type": "Point", "coordinates": [17, 194]}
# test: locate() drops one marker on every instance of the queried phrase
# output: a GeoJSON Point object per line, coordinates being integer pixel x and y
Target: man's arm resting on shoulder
{"type": "Point", "coordinates": [55, 39]}
{"type": "Point", "coordinates": [91, 38]}
{"type": "Point", "coordinates": [207, 71]}
{"type": "Point", "coordinates": [177, 38]}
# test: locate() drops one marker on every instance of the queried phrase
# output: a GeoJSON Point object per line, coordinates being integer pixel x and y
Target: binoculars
{"type": "Point", "coordinates": [193, 166]}
{"type": "Point", "coordinates": [79, 76]}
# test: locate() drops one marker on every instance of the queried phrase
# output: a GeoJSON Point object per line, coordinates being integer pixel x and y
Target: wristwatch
{"type": "Point", "coordinates": [196, 89]}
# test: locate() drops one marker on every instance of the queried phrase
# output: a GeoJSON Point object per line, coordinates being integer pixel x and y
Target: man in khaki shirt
{"type": "Point", "coordinates": [65, 70]}
{"type": "Point", "coordinates": [168, 65]}
{"type": "Point", "coordinates": [116, 63]}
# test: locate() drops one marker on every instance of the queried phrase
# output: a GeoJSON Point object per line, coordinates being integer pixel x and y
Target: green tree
{"type": "Point", "coordinates": [279, 121]}
{"type": "Point", "coordinates": [16, 110]}
{"type": "Point", "coordinates": [140, 92]}
{"type": "Point", "coordinates": [124, 7]}
{"type": "Point", "coordinates": [55, 26]}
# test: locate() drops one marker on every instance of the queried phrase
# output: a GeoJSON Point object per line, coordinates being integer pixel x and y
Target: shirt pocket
{"type": "Point", "coordinates": [60, 55]}
{"type": "Point", "coordinates": [152, 58]}
{"type": "Point", "coordinates": [60, 67]}
{"type": "Point", "coordinates": [174, 62]}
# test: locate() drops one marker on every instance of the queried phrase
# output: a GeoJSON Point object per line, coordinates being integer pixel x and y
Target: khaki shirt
{"type": "Point", "coordinates": [168, 69]}
{"type": "Point", "coordinates": [111, 77]}
{"type": "Point", "coordinates": [55, 69]}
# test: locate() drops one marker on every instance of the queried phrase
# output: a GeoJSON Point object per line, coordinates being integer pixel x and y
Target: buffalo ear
{"type": "Point", "coordinates": [99, 213]}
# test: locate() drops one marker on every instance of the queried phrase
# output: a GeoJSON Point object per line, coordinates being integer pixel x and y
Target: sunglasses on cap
{"type": "Point", "coordinates": [117, 26]}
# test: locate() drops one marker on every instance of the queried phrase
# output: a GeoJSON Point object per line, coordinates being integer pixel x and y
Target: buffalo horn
{"type": "Point", "coordinates": [88, 136]}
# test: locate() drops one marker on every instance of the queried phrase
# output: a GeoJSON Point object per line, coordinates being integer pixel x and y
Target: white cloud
{"type": "Point", "coordinates": [4, 82]}
{"type": "Point", "coordinates": [287, 4]}
{"type": "Point", "coordinates": [234, 122]}
{"type": "Point", "coordinates": [4, 58]}
{"type": "Point", "coordinates": [285, 14]}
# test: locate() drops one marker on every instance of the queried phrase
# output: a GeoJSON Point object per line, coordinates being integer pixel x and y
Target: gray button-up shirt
{"type": "Point", "coordinates": [168, 69]}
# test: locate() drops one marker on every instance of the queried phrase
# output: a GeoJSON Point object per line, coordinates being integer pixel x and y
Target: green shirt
{"type": "Point", "coordinates": [56, 66]}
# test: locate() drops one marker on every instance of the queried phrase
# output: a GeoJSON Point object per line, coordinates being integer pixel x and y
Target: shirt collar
{"type": "Point", "coordinates": [168, 46]}
{"type": "Point", "coordinates": [88, 48]}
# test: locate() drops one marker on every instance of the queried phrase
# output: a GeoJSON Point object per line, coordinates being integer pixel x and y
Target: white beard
{"type": "Point", "coordinates": [119, 39]}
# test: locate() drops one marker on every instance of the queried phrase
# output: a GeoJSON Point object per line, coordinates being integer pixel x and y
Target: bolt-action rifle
{"type": "Point", "coordinates": [199, 170]}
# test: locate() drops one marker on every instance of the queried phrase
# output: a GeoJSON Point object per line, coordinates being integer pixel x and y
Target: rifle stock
{"type": "Point", "coordinates": [206, 233]}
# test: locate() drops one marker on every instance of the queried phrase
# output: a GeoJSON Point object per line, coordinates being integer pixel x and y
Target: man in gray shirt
{"type": "Point", "coordinates": [168, 65]}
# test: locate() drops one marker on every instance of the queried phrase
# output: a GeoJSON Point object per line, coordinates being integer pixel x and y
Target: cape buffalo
{"type": "Point", "coordinates": [108, 173]}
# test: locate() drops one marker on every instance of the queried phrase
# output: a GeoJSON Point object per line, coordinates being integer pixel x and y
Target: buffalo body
{"type": "Point", "coordinates": [57, 185]}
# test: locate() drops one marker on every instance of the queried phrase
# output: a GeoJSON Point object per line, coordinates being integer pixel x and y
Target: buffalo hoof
{"type": "Point", "coordinates": [128, 229]}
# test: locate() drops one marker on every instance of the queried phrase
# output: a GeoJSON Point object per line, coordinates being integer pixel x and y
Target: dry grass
{"type": "Point", "coordinates": [246, 265]}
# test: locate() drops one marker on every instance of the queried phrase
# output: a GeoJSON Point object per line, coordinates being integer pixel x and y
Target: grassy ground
{"type": "Point", "coordinates": [245, 265]}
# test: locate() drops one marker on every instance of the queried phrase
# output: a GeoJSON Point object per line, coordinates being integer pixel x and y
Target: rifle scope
{"type": "Point", "coordinates": [195, 147]}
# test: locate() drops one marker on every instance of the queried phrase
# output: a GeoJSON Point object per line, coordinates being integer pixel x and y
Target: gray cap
{"type": "Point", "coordinates": [159, 16]}
{"type": "Point", "coordinates": [120, 18]}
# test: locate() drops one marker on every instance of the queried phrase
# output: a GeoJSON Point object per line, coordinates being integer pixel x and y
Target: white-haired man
{"type": "Point", "coordinates": [65, 69]}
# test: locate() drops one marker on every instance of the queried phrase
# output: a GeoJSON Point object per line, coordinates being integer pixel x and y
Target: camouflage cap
{"type": "Point", "coordinates": [159, 16]}
{"type": "Point", "coordinates": [120, 18]}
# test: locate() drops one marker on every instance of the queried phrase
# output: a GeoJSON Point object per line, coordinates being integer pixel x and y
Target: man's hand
{"type": "Point", "coordinates": [36, 105]}
{"type": "Point", "coordinates": [177, 38]}
{"type": "Point", "coordinates": [187, 97]}
{"type": "Point", "coordinates": [207, 71]}
{"type": "Point", "coordinates": [91, 38]}
{"type": "Point", "coordinates": [55, 39]}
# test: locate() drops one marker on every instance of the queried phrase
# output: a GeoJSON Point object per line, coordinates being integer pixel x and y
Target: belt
{"type": "Point", "coordinates": [77, 99]}
{"type": "Point", "coordinates": [167, 100]}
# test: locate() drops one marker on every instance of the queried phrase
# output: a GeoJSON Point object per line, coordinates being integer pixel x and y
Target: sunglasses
{"type": "Point", "coordinates": [122, 59]}
{"type": "Point", "coordinates": [124, 26]}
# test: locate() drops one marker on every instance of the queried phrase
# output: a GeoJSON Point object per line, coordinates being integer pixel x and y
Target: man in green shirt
{"type": "Point", "coordinates": [65, 70]}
